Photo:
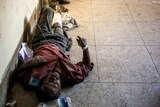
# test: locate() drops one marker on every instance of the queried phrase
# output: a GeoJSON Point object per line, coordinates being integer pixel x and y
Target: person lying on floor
{"type": "Point", "coordinates": [50, 68]}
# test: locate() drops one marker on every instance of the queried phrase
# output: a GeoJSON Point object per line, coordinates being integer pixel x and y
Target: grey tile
{"type": "Point", "coordinates": [144, 10]}
{"type": "Point", "coordinates": [125, 64]}
{"type": "Point", "coordinates": [155, 54]}
{"type": "Point", "coordinates": [117, 33]}
{"type": "Point", "coordinates": [114, 95]}
{"type": "Point", "coordinates": [134, 2]}
{"type": "Point", "coordinates": [118, 13]}
{"type": "Point", "coordinates": [130, 95]}
{"type": "Point", "coordinates": [85, 30]}
{"type": "Point", "coordinates": [76, 55]}
{"type": "Point", "coordinates": [107, 2]}
{"type": "Point", "coordinates": [80, 9]}
{"type": "Point", "coordinates": [84, 95]}
{"type": "Point", "coordinates": [142, 2]}
{"type": "Point", "coordinates": [22, 97]}
{"type": "Point", "coordinates": [150, 32]}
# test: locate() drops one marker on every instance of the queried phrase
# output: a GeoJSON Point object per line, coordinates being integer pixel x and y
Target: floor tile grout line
{"type": "Point", "coordinates": [95, 43]}
{"type": "Point", "coordinates": [153, 61]}
{"type": "Point", "coordinates": [123, 21]}
{"type": "Point", "coordinates": [127, 45]}
{"type": "Point", "coordinates": [140, 33]}
{"type": "Point", "coordinates": [125, 82]}
{"type": "Point", "coordinates": [122, 45]}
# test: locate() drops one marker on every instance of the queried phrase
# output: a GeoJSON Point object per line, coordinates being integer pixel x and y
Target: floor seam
{"type": "Point", "coordinates": [95, 42]}
{"type": "Point", "coordinates": [125, 82]}
{"type": "Point", "coordinates": [140, 33]}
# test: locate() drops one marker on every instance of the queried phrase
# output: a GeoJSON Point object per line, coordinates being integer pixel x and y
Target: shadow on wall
{"type": "Point", "coordinates": [8, 82]}
{"type": "Point", "coordinates": [29, 25]}
{"type": "Point", "coordinates": [27, 36]}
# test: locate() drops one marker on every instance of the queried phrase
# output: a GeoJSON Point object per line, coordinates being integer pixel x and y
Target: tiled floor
{"type": "Point", "coordinates": [124, 42]}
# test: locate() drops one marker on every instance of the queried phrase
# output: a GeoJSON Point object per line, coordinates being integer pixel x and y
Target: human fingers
{"type": "Point", "coordinates": [78, 40]}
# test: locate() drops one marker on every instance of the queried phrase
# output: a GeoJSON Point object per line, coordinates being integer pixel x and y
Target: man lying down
{"type": "Point", "coordinates": [50, 68]}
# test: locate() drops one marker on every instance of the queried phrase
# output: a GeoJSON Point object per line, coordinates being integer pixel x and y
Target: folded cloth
{"type": "Point", "coordinates": [25, 54]}
{"type": "Point", "coordinates": [69, 22]}
{"type": "Point", "coordinates": [57, 19]}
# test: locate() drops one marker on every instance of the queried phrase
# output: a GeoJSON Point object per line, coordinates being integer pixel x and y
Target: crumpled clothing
{"type": "Point", "coordinates": [25, 54]}
{"type": "Point", "coordinates": [69, 22]}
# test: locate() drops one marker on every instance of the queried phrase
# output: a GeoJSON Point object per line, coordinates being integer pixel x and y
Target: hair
{"type": "Point", "coordinates": [45, 95]}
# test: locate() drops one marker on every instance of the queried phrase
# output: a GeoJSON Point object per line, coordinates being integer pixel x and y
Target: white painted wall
{"type": "Point", "coordinates": [12, 16]}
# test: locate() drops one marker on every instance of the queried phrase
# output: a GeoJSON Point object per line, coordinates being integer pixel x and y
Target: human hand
{"type": "Point", "coordinates": [82, 42]}
{"type": "Point", "coordinates": [38, 60]}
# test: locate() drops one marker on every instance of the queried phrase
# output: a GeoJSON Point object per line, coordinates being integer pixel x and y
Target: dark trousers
{"type": "Point", "coordinates": [44, 26]}
{"type": "Point", "coordinates": [45, 33]}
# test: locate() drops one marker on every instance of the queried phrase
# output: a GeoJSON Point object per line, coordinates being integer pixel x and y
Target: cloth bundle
{"type": "Point", "coordinates": [25, 54]}
{"type": "Point", "coordinates": [69, 22]}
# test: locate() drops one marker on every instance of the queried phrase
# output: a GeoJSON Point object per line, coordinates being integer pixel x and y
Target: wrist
{"type": "Point", "coordinates": [84, 48]}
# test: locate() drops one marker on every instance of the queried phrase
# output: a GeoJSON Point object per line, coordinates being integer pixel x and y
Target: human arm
{"type": "Point", "coordinates": [77, 72]}
{"type": "Point", "coordinates": [33, 62]}
{"type": "Point", "coordinates": [82, 42]}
